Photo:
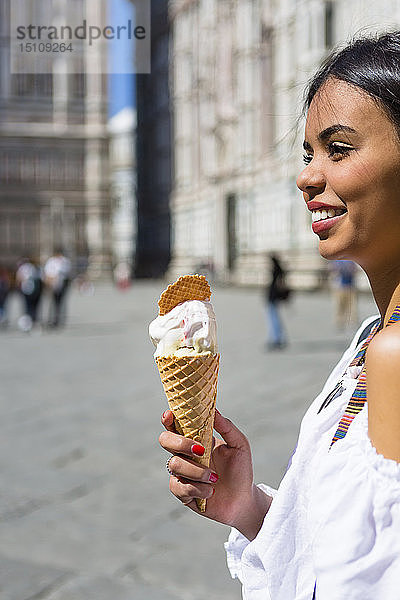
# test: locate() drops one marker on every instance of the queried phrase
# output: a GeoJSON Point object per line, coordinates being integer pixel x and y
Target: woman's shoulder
{"type": "Point", "coordinates": [383, 391]}
{"type": "Point", "coordinates": [384, 348]}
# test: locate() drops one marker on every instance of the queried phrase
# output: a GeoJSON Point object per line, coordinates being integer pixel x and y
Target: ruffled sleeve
{"type": "Point", "coordinates": [355, 518]}
{"type": "Point", "coordinates": [237, 543]}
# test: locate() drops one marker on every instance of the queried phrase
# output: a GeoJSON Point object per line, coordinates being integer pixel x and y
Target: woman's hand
{"type": "Point", "coordinates": [233, 499]}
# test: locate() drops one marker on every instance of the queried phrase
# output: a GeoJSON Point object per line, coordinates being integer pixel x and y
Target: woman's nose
{"type": "Point", "coordinates": [311, 181]}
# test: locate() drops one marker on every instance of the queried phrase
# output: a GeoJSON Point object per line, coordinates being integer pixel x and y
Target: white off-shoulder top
{"type": "Point", "coordinates": [334, 522]}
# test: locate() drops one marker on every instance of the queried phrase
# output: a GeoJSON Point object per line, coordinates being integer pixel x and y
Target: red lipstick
{"type": "Point", "coordinates": [314, 205]}
{"type": "Point", "coordinates": [325, 224]}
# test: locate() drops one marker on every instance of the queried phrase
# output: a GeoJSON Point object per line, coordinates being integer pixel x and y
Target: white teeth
{"type": "Point", "coordinates": [320, 215]}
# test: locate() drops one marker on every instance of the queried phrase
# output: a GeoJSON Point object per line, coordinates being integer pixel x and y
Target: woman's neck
{"type": "Point", "coordinates": [386, 290]}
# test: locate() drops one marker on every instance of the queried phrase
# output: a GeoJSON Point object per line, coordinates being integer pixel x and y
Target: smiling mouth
{"type": "Point", "coordinates": [322, 215]}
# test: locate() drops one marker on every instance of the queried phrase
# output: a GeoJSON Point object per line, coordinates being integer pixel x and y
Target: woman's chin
{"type": "Point", "coordinates": [331, 251]}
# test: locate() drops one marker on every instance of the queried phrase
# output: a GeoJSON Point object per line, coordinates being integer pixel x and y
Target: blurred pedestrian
{"type": "Point", "coordinates": [28, 280]}
{"type": "Point", "coordinates": [5, 285]}
{"type": "Point", "coordinates": [57, 276]}
{"type": "Point", "coordinates": [122, 275]}
{"type": "Point", "coordinates": [82, 279]}
{"type": "Point", "coordinates": [277, 291]}
{"type": "Point", "coordinates": [345, 293]}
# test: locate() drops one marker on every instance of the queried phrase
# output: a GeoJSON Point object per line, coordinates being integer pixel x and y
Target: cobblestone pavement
{"type": "Point", "coordinates": [85, 511]}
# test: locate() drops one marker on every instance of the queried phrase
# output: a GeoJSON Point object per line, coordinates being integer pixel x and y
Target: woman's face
{"type": "Point", "coordinates": [351, 181]}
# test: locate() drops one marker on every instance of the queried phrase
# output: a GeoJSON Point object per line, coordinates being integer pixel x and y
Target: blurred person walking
{"type": "Point", "coordinates": [345, 293]}
{"type": "Point", "coordinates": [57, 276]}
{"type": "Point", "coordinates": [276, 292]}
{"type": "Point", "coordinates": [122, 275]}
{"type": "Point", "coordinates": [28, 280]}
{"type": "Point", "coordinates": [5, 285]}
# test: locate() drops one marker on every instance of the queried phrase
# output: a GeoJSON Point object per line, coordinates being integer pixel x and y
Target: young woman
{"type": "Point", "coordinates": [331, 530]}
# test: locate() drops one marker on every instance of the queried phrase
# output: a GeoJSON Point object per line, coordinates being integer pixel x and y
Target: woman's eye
{"type": "Point", "coordinates": [307, 158]}
{"type": "Point", "coordinates": [338, 151]}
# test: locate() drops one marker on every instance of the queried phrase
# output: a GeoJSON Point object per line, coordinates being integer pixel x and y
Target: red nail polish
{"type": "Point", "coordinates": [213, 478]}
{"type": "Point", "coordinates": [198, 450]}
{"type": "Point", "coordinates": [164, 414]}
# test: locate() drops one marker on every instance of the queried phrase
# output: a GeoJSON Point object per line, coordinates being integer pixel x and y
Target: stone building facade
{"type": "Point", "coordinates": [122, 128]}
{"type": "Point", "coordinates": [239, 68]}
{"type": "Point", "coordinates": [53, 161]}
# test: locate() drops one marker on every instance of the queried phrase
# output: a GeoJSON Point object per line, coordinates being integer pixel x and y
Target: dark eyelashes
{"type": "Point", "coordinates": [334, 150]}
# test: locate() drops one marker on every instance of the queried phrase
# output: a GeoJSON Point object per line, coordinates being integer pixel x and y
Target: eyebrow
{"type": "Point", "coordinates": [326, 133]}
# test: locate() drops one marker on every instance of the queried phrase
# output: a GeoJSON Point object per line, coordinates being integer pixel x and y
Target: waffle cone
{"type": "Point", "coordinates": [190, 384]}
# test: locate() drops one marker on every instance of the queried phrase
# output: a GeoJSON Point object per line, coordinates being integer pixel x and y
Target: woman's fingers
{"type": "Point", "coordinates": [167, 419]}
{"type": "Point", "coordinates": [187, 491]}
{"type": "Point", "coordinates": [233, 437]}
{"type": "Point", "coordinates": [178, 444]}
{"type": "Point", "coordinates": [182, 467]}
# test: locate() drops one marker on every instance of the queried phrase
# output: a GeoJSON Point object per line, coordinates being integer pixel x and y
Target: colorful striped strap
{"type": "Point", "coordinates": [359, 397]}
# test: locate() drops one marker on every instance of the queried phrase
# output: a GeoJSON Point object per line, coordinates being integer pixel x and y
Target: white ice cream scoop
{"type": "Point", "coordinates": [189, 328]}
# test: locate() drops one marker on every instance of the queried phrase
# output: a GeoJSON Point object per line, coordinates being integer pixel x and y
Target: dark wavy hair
{"type": "Point", "coordinates": [369, 63]}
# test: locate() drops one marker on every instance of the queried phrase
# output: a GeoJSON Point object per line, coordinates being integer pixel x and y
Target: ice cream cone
{"type": "Point", "coordinates": [187, 359]}
{"type": "Point", "coordinates": [190, 384]}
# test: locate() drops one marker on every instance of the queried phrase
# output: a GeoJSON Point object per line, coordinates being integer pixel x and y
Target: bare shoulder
{"type": "Point", "coordinates": [385, 347]}
{"type": "Point", "coordinates": [383, 391]}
